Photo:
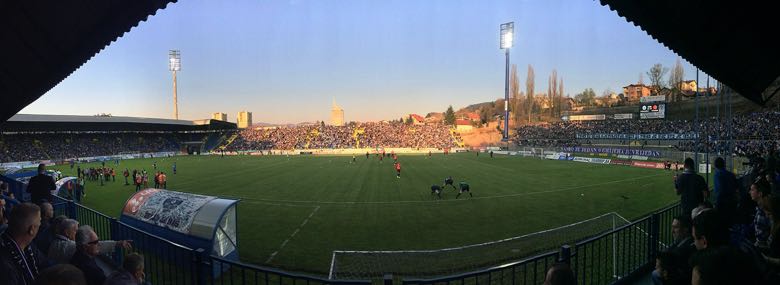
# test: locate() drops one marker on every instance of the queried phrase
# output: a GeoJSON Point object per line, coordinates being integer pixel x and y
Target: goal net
{"type": "Point", "coordinates": [438, 262]}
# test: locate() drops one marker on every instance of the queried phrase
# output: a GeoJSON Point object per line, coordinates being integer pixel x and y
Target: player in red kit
{"type": "Point", "coordinates": [398, 169]}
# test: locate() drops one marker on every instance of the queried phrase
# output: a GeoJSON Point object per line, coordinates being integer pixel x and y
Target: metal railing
{"type": "Point", "coordinates": [607, 257]}
{"type": "Point", "coordinates": [603, 259]}
{"type": "Point", "coordinates": [527, 271]}
{"type": "Point", "coordinates": [625, 251]}
{"type": "Point", "coordinates": [167, 262]}
{"type": "Point", "coordinates": [100, 222]}
{"type": "Point", "coordinates": [228, 272]}
{"type": "Point", "coordinates": [61, 206]}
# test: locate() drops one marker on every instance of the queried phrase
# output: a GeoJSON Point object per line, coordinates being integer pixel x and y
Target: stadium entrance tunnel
{"type": "Point", "coordinates": [195, 221]}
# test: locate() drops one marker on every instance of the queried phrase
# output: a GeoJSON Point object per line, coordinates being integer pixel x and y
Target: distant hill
{"type": "Point", "coordinates": [475, 107]}
{"type": "Point", "coordinates": [261, 124]}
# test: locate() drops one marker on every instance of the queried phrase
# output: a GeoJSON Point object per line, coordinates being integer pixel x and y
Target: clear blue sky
{"type": "Point", "coordinates": [285, 60]}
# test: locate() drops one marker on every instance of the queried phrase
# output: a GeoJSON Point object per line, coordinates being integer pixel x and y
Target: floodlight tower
{"type": "Point", "coordinates": [507, 34]}
{"type": "Point", "coordinates": [174, 65]}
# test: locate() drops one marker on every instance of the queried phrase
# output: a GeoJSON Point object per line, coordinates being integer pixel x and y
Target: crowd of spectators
{"type": "Point", "coordinates": [38, 248]}
{"type": "Point", "coordinates": [31, 147]}
{"type": "Point", "coordinates": [750, 133]}
{"type": "Point", "coordinates": [401, 135]}
{"type": "Point", "coordinates": [729, 234]}
{"type": "Point", "coordinates": [55, 146]}
{"type": "Point", "coordinates": [350, 136]}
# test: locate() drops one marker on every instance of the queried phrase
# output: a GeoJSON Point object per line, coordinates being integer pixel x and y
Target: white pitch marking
{"type": "Point", "coordinates": [284, 243]}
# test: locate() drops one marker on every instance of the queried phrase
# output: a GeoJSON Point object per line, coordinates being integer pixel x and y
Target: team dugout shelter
{"type": "Point", "coordinates": [192, 220]}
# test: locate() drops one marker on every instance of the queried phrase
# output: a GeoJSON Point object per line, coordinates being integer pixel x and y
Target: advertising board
{"type": "Point", "coordinates": [652, 111]}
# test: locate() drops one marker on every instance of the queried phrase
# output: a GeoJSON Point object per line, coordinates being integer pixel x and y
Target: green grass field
{"type": "Point", "coordinates": [304, 207]}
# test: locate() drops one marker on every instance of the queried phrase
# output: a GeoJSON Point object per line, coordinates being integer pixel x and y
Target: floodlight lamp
{"type": "Point", "coordinates": [174, 60]}
{"type": "Point", "coordinates": [508, 40]}
{"type": "Point", "coordinates": [507, 35]}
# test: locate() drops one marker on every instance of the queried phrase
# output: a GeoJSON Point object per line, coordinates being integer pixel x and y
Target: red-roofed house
{"type": "Point", "coordinates": [463, 125]}
{"type": "Point", "coordinates": [636, 91]}
{"type": "Point", "coordinates": [417, 119]}
{"type": "Point", "coordinates": [474, 117]}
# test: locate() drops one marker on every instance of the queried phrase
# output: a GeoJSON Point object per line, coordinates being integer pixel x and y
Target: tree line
{"type": "Point", "coordinates": [528, 106]}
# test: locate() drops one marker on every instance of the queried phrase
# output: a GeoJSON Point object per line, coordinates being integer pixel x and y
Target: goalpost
{"type": "Point", "coordinates": [538, 152]}
{"type": "Point", "coordinates": [429, 263]}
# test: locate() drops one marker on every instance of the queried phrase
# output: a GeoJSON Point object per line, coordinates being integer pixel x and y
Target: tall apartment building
{"type": "Point", "coordinates": [244, 119]}
{"type": "Point", "coordinates": [219, 116]}
{"type": "Point", "coordinates": [336, 115]}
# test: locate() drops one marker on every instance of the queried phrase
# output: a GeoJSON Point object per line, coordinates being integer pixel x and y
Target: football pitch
{"type": "Point", "coordinates": [296, 210]}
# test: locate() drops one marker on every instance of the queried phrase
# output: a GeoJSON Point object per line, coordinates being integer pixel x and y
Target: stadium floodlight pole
{"type": "Point", "coordinates": [696, 126]}
{"type": "Point", "coordinates": [174, 65]}
{"type": "Point", "coordinates": [707, 145]}
{"type": "Point", "coordinates": [507, 34]}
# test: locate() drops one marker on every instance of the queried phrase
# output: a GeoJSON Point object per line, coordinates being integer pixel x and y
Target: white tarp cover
{"type": "Point", "coordinates": [62, 182]}
{"type": "Point", "coordinates": [172, 210]}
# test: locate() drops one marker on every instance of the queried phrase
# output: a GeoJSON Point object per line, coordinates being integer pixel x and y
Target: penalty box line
{"type": "Point", "coordinates": [270, 201]}
{"type": "Point", "coordinates": [284, 243]}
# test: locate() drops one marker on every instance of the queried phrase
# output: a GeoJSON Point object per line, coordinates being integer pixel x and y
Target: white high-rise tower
{"type": "Point", "coordinates": [336, 115]}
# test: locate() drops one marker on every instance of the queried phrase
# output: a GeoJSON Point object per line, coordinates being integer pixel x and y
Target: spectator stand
{"type": "Point", "coordinates": [194, 221]}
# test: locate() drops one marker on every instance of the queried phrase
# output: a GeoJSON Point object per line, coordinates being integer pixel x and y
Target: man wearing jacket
{"type": "Point", "coordinates": [690, 186]}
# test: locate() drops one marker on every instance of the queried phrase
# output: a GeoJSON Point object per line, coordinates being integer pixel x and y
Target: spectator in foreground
{"type": "Point", "coordinates": [18, 260]}
{"type": "Point", "coordinates": [131, 273]}
{"type": "Point", "coordinates": [44, 237]}
{"type": "Point", "coordinates": [712, 240]}
{"type": "Point", "coordinates": [560, 274]}
{"type": "Point", "coordinates": [669, 270]}
{"type": "Point", "coordinates": [725, 191]}
{"type": "Point", "coordinates": [84, 258]}
{"type": "Point", "coordinates": [709, 231]}
{"type": "Point", "coordinates": [64, 245]}
{"type": "Point", "coordinates": [703, 206]}
{"type": "Point", "coordinates": [5, 193]}
{"type": "Point", "coordinates": [40, 186]}
{"type": "Point", "coordinates": [723, 266]}
{"type": "Point", "coordinates": [61, 274]}
{"type": "Point", "coordinates": [760, 193]}
{"type": "Point", "coordinates": [680, 251]}
{"type": "Point", "coordinates": [690, 186]}
{"type": "Point", "coordinates": [772, 256]}
{"type": "Point", "coordinates": [10, 199]}
{"type": "Point", "coordinates": [3, 222]}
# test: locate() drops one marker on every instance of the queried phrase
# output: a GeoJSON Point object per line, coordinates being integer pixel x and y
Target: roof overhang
{"type": "Point", "coordinates": [729, 40]}
{"type": "Point", "coordinates": [68, 123]}
{"type": "Point", "coordinates": [43, 42]}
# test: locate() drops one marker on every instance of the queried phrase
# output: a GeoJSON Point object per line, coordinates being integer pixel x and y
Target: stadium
{"type": "Point", "coordinates": [481, 195]}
